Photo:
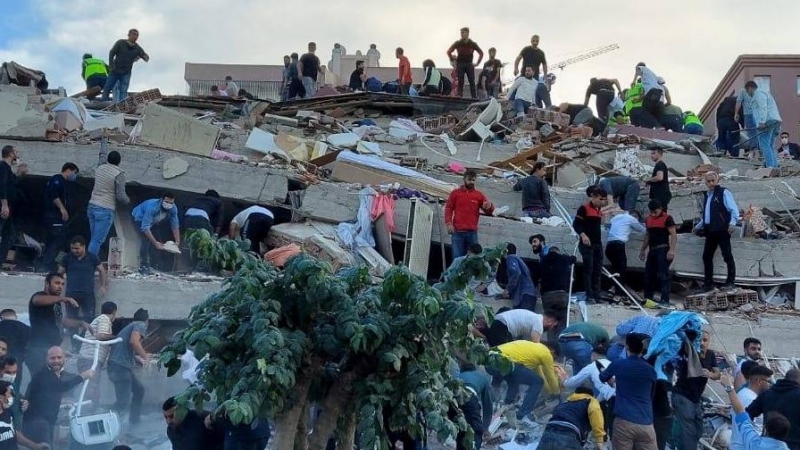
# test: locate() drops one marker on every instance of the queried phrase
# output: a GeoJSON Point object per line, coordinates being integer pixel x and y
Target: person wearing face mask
{"type": "Point", "coordinates": [10, 368]}
{"type": "Point", "coordinates": [8, 191]}
{"type": "Point", "coordinates": [9, 436]}
{"type": "Point", "coordinates": [788, 149]}
{"type": "Point", "coordinates": [56, 214]}
{"type": "Point", "coordinates": [44, 394]}
{"type": "Point", "coordinates": [152, 213]}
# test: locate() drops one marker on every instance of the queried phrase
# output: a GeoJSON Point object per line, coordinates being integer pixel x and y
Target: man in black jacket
{"type": "Point", "coordinates": [191, 431]}
{"type": "Point", "coordinates": [788, 149]}
{"type": "Point", "coordinates": [783, 398]}
{"type": "Point", "coordinates": [718, 222]}
{"type": "Point", "coordinates": [535, 192]}
{"type": "Point", "coordinates": [727, 127]}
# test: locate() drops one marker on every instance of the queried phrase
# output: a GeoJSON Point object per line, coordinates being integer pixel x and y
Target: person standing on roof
{"type": "Point", "coordinates": [308, 68]}
{"type": "Point", "coordinates": [532, 56]}
{"type": "Point", "coordinates": [491, 74]}
{"type": "Point", "coordinates": [603, 90]}
{"type": "Point", "coordinates": [151, 213]}
{"type": "Point", "coordinates": [727, 127]}
{"type": "Point", "coordinates": [587, 224]}
{"type": "Point", "coordinates": [524, 92]}
{"type": "Point", "coordinates": [94, 72]}
{"type": "Point", "coordinates": [768, 122]}
{"type": "Point", "coordinates": [123, 54]}
{"type": "Point", "coordinates": [296, 89]}
{"type": "Point", "coordinates": [659, 181]}
{"type": "Point", "coordinates": [535, 192]}
{"type": "Point", "coordinates": [465, 49]}
{"type": "Point", "coordinates": [653, 90]}
{"type": "Point", "coordinates": [373, 56]}
{"type": "Point", "coordinates": [718, 222]}
{"type": "Point", "coordinates": [743, 115]}
{"type": "Point", "coordinates": [286, 79]}
{"type": "Point", "coordinates": [462, 212]}
{"type": "Point", "coordinates": [404, 78]}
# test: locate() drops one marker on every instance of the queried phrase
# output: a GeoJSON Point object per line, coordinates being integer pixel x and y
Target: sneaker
{"type": "Point", "coordinates": [526, 422]}
{"type": "Point", "coordinates": [728, 287]}
{"type": "Point", "coordinates": [650, 304]}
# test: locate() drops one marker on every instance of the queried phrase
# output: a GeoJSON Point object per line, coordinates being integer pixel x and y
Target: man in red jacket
{"type": "Point", "coordinates": [461, 214]}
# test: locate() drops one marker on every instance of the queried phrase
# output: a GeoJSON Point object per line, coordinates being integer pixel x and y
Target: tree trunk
{"type": "Point", "coordinates": [338, 397]}
{"type": "Point", "coordinates": [301, 437]}
{"type": "Point", "coordinates": [347, 438]}
{"type": "Point", "coordinates": [286, 423]}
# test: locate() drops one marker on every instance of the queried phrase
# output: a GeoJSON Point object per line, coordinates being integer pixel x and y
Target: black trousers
{"type": "Point", "coordinates": [56, 241]}
{"type": "Point", "coordinates": [721, 239]}
{"type": "Point", "coordinates": [615, 252]}
{"type": "Point", "coordinates": [198, 223]}
{"type": "Point", "coordinates": [663, 427]}
{"type": "Point", "coordinates": [473, 414]}
{"type": "Point", "coordinates": [641, 117]}
{"type": "Point", "coordinates": [656, 270]}
{"type": "Point", "coordinates": [602, 99]}
{"type": "Point", "coordinates": [467, 69]}
{"type": "Point", "coordinates": [256, 230]}
{"type": "Point", "coordinates": [652, 103]}
{"type": "Point", "coordinates": [592, 257]}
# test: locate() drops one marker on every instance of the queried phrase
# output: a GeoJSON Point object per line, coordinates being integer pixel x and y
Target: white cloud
{"type": "Point", "coordinates": [691, 44]}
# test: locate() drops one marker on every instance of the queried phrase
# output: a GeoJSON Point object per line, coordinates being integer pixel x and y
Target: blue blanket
{"type": "Point", "coordinates": [667, 341]}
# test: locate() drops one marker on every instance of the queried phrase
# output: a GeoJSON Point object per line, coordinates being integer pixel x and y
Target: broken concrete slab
{"type": "Point", "coordinates": [174, 167]}
{"type": "Point", "coordinates": [166, 128]}
{"type": "Point", "coordinates": [344, 140]}
{"type": "Point", "coordinates": [108, 121]}
{"type": "Point", "coordinates": [142, 165]}
{"type": "Point", "coordinates": [16, 112]}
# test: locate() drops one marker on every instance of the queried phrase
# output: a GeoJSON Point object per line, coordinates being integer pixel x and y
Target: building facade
{"type": "Point", "coordinates": [777, 74]}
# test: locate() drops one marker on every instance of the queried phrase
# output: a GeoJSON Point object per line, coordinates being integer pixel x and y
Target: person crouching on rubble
{"type": "Point", "coordinates": [658, 252]}
{"type": "Point", "coordinates": [571, 422]}
{"type": "Point", "coordinates": [587, 225]}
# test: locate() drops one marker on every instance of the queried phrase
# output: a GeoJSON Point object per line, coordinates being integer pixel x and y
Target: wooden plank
{"type": "Point", "coordinates": [519, 159]}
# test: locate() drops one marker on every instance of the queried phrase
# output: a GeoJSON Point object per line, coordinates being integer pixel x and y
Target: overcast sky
{"type": "Point", "coordinates": [691, 44]}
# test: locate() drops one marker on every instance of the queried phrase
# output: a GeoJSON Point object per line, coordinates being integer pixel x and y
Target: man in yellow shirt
{"type": "Point", "coordinates": [569, 427]}
{"type": "Point", "coordinates": [533, 367]}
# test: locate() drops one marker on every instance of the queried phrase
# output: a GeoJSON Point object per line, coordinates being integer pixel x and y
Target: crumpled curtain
{"type": "Point", "coordinates": [359, 234]}
{"type": "Point", "coordinates": [668, 339]}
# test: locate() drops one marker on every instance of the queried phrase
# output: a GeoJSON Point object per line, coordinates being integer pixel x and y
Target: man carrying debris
{"type": "Point", "coordinates": [109, 189]}
{"type": "Point", "coordinates": [531, 56]}
{"type": "Point", "coordinates": [658, 252]}
{"type": "Point", "coordinates": [634, 380]}
{"type": "Point", "coordinates": [308, 68]}
{"type": "Point", "coordinates": [603, 90]}
{"type": "Point", "coordinates": [587, 225]}
{"type": "Point", "coordinates": [94, 72]}
{"type": "Point", "coordinates": [768, 122]}
{"type": "Point", "coordinates": [659, 181]}
{"type": "Point", "coordinates": [462, 212]}
{"type": "Point", "coordinates": [717, 224]}
{"type": "Point", "coordinates": [524, 92]}
{"type": "Point", "coordinates": [404, 79]}
{"type": "Point", "coordinates": [123, 54]}
{"type": "Point", "coordinates": [465, 49]}
{"type": "Point", "coordinates": [254, 224]}
{"type": "Point", "coordinates": [534, 367]}
{"type": "Point", "coordinates": [56, 215]}
{"type": "Point", "coordinates": [535, 192]}
{"type": "Point", "coordinates": [122, 360]}
{"type": "Point", "coordinates": [152, 213]}
{"type": "Point", "coordinates": [572, 421]}
{"type": "Point", "coordinates": [624, 191]}
{"type": "Point", "coordinates": [781, 399]}
{"type": "Point", "coordinates": [688, 392]}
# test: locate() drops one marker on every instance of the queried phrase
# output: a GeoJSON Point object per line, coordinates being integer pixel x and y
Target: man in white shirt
{"type": "Point", "coordinates": [524, 91]}
{"type": "Point", "coordinates": [622, 224]}
{"type": "Point", "coordinates": [519, 324]}
{"type": "Point", "coordinates": [653, 90]}
{"type": "Point", "coordinates": [254, 224]}
{"type": "Point", "coordinates": [759, 379]}
{"type": "Point", "coordinates": [231, 88]}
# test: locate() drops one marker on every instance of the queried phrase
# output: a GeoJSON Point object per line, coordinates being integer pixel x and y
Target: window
{"type": "Point", "coordinates": [763, 83]}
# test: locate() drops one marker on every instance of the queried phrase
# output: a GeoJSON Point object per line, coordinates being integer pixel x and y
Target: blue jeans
{"type": "Point", "coordinates": [578, 350]}
{"type": "Point", "coordinates": [750, 126]}
{"type": "Point", "coordinates": [119, 83]}
{"type": "Point", "coordinates": [543, 96]}
{"type": "Point", "coordinates": [766, 143]}
{"type": "Point", "coordinates": [693, 128]}
{"type": "Point", "coordinates": [460, 242]}
{"type": "Point", "coordinates": [310, 86]}
{"type": "Point", "coordinates": [521, 106]}
{"type": "Point", "coordinates": [100, 221]}
{"type": "Point", "coordinates": [519, 376]}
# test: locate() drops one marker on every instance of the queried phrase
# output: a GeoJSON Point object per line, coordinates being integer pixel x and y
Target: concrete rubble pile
{"type": "Point", "coordinates": [311, 157]}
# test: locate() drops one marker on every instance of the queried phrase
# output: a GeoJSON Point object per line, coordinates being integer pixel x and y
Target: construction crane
{"type": "Point", "coordinates": [582, 57]}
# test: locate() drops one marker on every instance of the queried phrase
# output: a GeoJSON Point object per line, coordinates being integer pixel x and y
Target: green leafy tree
{"type": "Point", "coordinates": [371, 356]}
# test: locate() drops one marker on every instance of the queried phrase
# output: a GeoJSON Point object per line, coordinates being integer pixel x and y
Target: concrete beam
{"type": "Point", "coordinates": [143, 166]}
{"type": "Point", "coordinates": [168, 298]}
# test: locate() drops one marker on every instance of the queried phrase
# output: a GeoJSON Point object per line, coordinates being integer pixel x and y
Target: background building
{"type": "Point", "coordinates": [778, 74]}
